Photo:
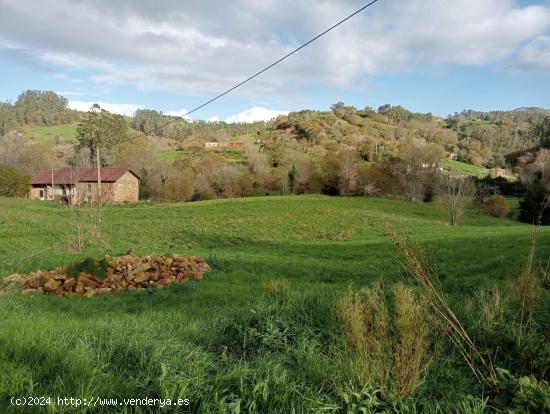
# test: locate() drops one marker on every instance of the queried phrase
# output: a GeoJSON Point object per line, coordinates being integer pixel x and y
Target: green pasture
{"type": "Point", "coordinates": [233, 342]}
{"type": "Point", "coordinates": [63, 133]}
{"type": "Point", "coordinates": [464, 168]}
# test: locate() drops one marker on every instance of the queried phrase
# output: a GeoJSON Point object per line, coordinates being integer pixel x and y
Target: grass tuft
{"type": "Point", "coordinates": [95, 267]}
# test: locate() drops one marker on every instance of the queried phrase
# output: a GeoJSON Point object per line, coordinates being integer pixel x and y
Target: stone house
{"type": "Point", "coordinates": [77, 185]}
{"type": "Point", "coordinates": [497, 172]}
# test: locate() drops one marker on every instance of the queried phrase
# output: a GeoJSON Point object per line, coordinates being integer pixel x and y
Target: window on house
{"type": "Point", "coordinates": [41, 193]}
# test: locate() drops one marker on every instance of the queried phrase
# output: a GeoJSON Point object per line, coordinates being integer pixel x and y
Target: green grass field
{"type": "Point", "coordinates": [50, 133]}
{"type": "Point", "coordinates": [234, 342]}
{"type": "Point", "coordinates": [228, 154]}
{"type": "Point", "coordinates": [464, 168]}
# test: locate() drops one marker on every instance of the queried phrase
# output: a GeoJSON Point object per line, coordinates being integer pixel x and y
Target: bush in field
{"type": "Point", "coordinates": [496, 206]}
{"type": "Point", "coordinates": [13, 183]}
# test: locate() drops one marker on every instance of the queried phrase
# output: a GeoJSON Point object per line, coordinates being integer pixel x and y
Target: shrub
{"type": "Point", "coordinates": [496, 206]}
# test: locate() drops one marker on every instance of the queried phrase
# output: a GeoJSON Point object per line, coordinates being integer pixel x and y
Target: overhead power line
{"type": "Point", "coordinates": [262, 70]}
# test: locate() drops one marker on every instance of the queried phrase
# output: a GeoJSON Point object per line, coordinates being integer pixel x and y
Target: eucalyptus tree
{"type": "Point", "coordinates": [101, 130]}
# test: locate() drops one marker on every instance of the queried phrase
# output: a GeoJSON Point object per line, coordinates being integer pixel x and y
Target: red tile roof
{"type": "Point", "coordinates": [71, 175]}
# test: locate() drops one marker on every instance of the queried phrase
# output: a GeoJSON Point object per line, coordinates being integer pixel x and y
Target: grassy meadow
{"type": "Point", "coordinates": [64, 133]}
{"type": "Point", "coordinates": [264, 331]}
{"type": "Point", "coordinates": [464, 168]}
{"type": "Point", "coordinates": [228, 154]}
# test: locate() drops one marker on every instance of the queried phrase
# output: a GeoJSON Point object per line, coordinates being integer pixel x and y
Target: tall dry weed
{"type": "Point", "coordinates": [491, 306]}
{"type": "Point", "coordinates": [388, 338]}
{"type": "Point", "coordinates": [413, 354]}
{"type": "Point", "coordinates": [528, 289]}
{"type": "Point", "coordinates": [421, 268]}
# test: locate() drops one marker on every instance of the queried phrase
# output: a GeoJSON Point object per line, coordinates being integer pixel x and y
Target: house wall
{"type": "Point", "coordinates": [47, 193]}
{"type": "Point", "coordinates": [35, 192]}
{"type": "Point", "coordinates": [126, 189]}
{"type": "Point", "coordinates": [88, 193]}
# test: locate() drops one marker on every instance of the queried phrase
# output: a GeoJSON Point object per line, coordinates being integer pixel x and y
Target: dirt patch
{"type": "Point", "coordinates": [120, 273]}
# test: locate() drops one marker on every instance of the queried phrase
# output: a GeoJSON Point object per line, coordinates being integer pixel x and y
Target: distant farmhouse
{"type": "Point", "coordinates": [228, 144]}
{"type": "Point", "coordinates": [497, 172]}
{"type": "Point", "coordinates": [77, 185]}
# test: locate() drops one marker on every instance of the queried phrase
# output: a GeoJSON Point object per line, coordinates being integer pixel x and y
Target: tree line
{"type": "Point", "coordinates": [36, 108]}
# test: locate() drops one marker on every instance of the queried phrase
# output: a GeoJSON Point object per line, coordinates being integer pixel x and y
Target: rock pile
{"type": "Point", "coordinates": [124, 272]}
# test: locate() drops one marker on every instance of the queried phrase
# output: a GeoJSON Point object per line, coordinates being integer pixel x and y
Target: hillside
{"type": "Point", "coordinates": [60, 134]}
{"type": "Point", "coordinates": [485, 139]}
{"type": "Point", "coordinates": [263, 318]}
{"type": "Point", "coordinates": [387, 151]}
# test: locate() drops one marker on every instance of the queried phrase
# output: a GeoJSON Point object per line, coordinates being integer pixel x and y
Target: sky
{"type": "Point", "coordinates": [438, 56]}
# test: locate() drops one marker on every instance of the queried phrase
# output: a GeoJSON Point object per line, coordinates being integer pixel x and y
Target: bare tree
{"type": "Point", "coordinates": [456, 193]}
{"type": "Point", "coordinates": [259, 163]}
{"type": "Point", "coordinates": [348, 174]}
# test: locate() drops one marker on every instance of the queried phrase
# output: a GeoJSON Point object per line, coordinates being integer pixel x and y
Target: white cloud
{"type": "Point", "coordinates": [180, 113]}
{"type": "Point", "coordinates": [69, 93]}
{"type": "Point", "coordinates": [257, 113]}
{"type": "Point", "coordinates": [213, 119]}
{"type": "Point", "coordinates": [535, 55]}
{"type": "Point", "coordinates": [117, 108]}
{"type": "Point", "coordinates": [184, 47]}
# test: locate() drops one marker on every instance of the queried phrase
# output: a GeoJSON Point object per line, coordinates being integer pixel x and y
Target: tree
{"type": "Point", "coordinates": [338, 108]}
{"type": "Point", "coordinates": [292, 178]}
{"type": "Point", "coordinates": [13, 182]}
{"type": "Point", "coordinates": [535, 203]}
{"type": "Point", "coordinates": [43, 108]}
{"type": "Point", "coordinates": [260, 165]}
{"type": "Point", "coordinates": [534, 206]}
{"type": "Point", "coordinates": [101, 129]}
{"type": "Point", "coordinates": [416, 169]}
{"type": "Point", "coordinates": [8, 121]}
{"type": "Point", "coordinates": [456, 194]}
{"type": "Point", "coordinates": [348, 175]}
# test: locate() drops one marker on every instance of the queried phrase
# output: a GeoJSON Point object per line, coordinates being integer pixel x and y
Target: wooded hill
{"type": "Point", "coordinates": [344, 150]}
{"type": "Point", "coordinates": [482, 138]}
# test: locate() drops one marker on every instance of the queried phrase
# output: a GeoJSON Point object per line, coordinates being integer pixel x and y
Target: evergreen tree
{"type": "Point", "coordinates": [101, 129]}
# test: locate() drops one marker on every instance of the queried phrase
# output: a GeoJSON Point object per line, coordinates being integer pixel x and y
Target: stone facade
{"type": "Point", "coordinates": [120, 186]}
{"type": "Point", "coordinates": [126, 189]}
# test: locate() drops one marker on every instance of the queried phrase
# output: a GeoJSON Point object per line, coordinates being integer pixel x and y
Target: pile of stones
{"type": "Point", "coordinates": [122, 273]}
